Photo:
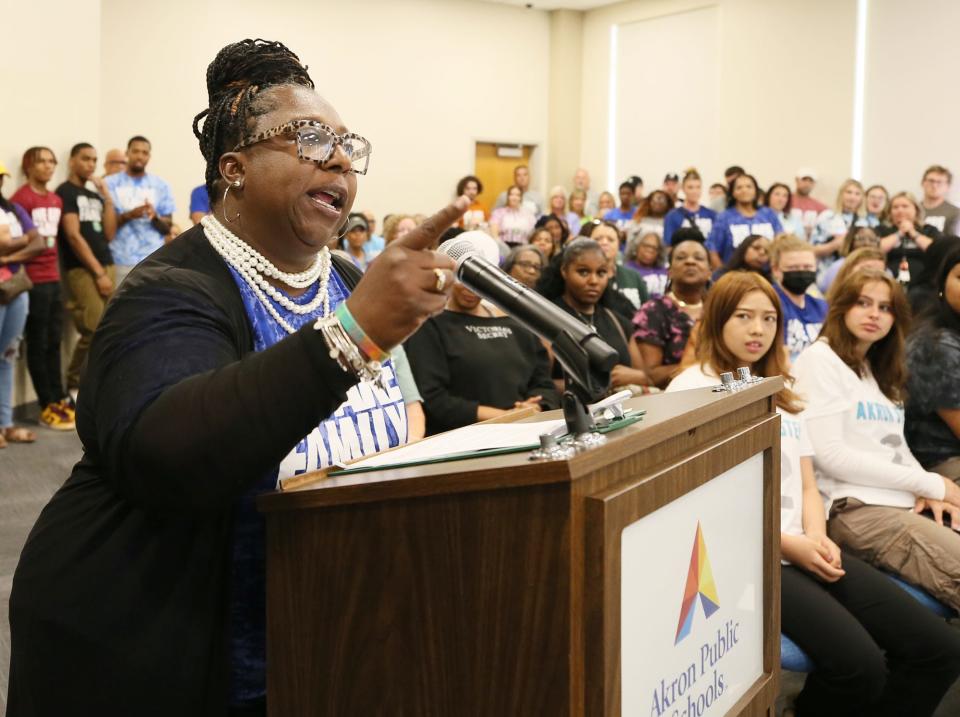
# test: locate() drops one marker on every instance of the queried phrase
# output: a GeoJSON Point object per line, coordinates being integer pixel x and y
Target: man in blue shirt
{"type": "Point", "coordinates": [622, 215]}
{"type": "Point", "coordinates": [794, 268]}
{"type": "Point", "coordinates": [144, 205]}
{"type": "Point", "coordinates": [199, 203]}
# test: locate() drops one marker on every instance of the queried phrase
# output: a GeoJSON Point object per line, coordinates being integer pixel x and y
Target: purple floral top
{"type": "Point", "coordinates": [660, 322]}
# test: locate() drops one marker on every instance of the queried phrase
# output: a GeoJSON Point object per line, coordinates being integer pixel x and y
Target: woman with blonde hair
{"type": "Point", "coordinates": [907, 239]}
{"type": "Point", "coordinates": [876, 650]}
{"type": "Point", "coordinates": [396, 226]}
{"type": "Point", "coordinates": [576, 216]}
{"type": "Point", "coordinates": [832, 226]}
{"type": "Point", "coordinates": [857, 237]}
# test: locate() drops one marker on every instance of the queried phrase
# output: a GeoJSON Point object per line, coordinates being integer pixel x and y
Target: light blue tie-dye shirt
{"type": "Point", "coordinates": [138, 238]}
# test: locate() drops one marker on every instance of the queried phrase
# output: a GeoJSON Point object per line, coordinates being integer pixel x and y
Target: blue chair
{"type": "Point", "coordinates": [793, 659]}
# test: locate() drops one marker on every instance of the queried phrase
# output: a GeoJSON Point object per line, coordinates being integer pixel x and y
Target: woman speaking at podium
{"type": "Point", "coordinates": [238, 354]}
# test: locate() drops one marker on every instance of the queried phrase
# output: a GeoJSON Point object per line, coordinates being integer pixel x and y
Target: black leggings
{"type": "Point", "coordinates": [847, 626]}
{"type": "Point", "coordinates": [43, 334]}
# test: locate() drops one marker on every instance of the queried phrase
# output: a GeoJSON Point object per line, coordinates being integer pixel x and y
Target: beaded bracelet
{"type": "Point", "coordinates": [346, 353]}
{"type": "Point", "coordinates": [359, 336]}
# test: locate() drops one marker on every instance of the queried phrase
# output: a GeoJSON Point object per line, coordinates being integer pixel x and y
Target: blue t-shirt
{"type": "Point", "coordinates": [801, 326]}
{"type": "Point", "coordinates": [370, 420]}
{"type": "Point", "coordinates": [731, 228]}
{"type": "Point", "coordinates": [200, 200]}
{"type": "Point", "coordinates": [678, 217]}
{"type": "Point", "coordinates": [138, 239]}
{"type": "Point", "coordinates": [619, 217]}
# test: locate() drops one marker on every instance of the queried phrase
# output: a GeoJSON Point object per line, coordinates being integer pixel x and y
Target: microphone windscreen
{"type": "Point", "coordinates": [472, 243]}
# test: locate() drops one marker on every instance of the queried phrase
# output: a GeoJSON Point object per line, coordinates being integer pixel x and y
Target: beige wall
{"type": "Point", "coordinates": [786, 84]}
{"type": "Point", "coordinates": [563, 146]}
{"type": "Point", "coordinates": [422, 79]}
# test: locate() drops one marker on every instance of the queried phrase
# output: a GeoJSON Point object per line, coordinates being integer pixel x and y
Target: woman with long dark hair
{"type": "Point", "coordinates": [752, 255]}
{"type": "Point", "coordinates": [743, 217]}
{"type": "Point", "coordinates": [933, 366]}
{"type": "Point", "coordinates": [227, 361]}
{"type": "Point", "coordinates": [853, 379]}
{"type": "Point", "coordinates": [875, 649]}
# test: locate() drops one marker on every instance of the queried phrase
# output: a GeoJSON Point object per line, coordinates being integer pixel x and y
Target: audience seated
{"type": "Point", "coordinates": [866, 257]}
{"type": "Point", "coordinates": [877, 206]}
{"type": "Point", "coordinates": [906, 240]}
{"type": "Point", "coordinates": [605, 202]}
{"type": "Point", "coordinates": [742, 217]}
{"type": "Point", "coordinates": [628, 290]}
{"type": "Point", "coordinates": [472, 363]}
{"type": "Point", "coordinates": [556, 226]}
{"type": "Point", "coordinates": [663, 324]}
{"type": "Point", "coordinates": [525, 264]}
{"type": "Point", "coordinates": [623, 214]}
{"type": "Point", "coordinates": [937, 211]}
{"type": "Point", "coordinates": [857, 237]}
{"type": "Point", "coordinates": [853, 379]}
{"type": "Point", "coordinates": [752, 255]}
{"type": "Point", "coordinates": [199, 203]}
{"type": "Point", "coordinates": [793, 266]}
{"type": "Point", "coordinates": [645, 255]}
{"type": "Point", "coordinates": [578, 281]}
{"type": "Point", "coordinates": [876, 650]}
{"type": "Point", "coordinates": [650, 214]}
{"type": "Point", "coordinates": [805, 206]}
{"type": "Point", "coordinates": [542, 238]}
{"type": "Point", "coordinates": [354, 240]}
{"type": "Point", "coordinates": [396, 226]}
{"type": "Point", "coordinates": [690, 213]}
{"type": "Point", "coordinates": [933, 368]}
{"type": "Point", "coordinates": [922, 291]}
{"type": "Point", "coordinates": [577, 213]}
{"type": "Point", "coordinates": [557, 204]}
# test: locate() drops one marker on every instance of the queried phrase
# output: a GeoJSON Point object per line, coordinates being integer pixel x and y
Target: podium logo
{"type": "Point", "coordinates": [699, 584]}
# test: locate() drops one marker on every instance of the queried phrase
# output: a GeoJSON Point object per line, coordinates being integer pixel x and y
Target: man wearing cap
{"type": "Point", "coordinates": [805, 207]}
{"type": "Point", "coordinates": [355, 235]}
{"type": "Point", "coordinates": [671, 185]}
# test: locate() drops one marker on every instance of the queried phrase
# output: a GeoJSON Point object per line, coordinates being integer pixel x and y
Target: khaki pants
{"type": "Point", "coordinates": [949, 468]}
{"type": "Point", "coordinates": [86, 306]}
{"type": "Point", "coordinates": [900, 541]}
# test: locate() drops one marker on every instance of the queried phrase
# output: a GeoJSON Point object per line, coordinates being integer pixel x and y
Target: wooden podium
{"type": "Point", "coordinates": [491, 586]}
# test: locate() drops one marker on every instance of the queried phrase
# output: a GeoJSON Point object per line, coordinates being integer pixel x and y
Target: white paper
{"type": "Point", "coordinates": [478, 437]}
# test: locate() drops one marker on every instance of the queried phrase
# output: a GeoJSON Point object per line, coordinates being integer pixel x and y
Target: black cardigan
{"type": "Point", "coordinates": [119, 602]}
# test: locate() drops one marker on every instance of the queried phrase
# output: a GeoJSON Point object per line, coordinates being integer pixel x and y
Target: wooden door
{"type": "Point", "coordinates": [496, 172]}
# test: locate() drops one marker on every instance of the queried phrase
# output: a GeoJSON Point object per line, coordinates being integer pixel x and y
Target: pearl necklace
{"type": "Point", "coordinates": [254, 267]}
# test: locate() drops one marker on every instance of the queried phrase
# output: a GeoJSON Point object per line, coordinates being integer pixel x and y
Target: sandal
{"type": "Point", "coordinates": [18, 434]}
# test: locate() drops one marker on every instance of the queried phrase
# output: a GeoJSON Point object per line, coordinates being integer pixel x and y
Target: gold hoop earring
{"type": "Point", "coordinates": [238, 184]}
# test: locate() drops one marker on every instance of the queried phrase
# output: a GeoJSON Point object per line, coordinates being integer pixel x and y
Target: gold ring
{"type": "Point", "coordinates": [441, 280]}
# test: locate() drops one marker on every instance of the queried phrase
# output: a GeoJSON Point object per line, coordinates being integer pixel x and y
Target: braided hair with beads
{"type": "Point", "coordinates": [236, 80]}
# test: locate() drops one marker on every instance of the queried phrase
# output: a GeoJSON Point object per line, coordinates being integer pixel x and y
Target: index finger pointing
{"type": "Point", "coordinates": [425, 235]}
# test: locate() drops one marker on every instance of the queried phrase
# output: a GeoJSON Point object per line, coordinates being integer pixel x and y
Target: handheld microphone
{"type": "Point", "coordinates": [578, 347]}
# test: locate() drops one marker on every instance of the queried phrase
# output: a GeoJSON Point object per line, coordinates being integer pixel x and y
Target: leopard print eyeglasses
{"type": "Point", "coordinates": [316, 142]}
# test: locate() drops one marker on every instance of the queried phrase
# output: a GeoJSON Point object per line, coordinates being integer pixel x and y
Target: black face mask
{"type": "Point", "coordinates": [797, 282]}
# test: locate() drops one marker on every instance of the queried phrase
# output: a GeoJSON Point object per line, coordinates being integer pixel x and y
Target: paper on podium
{"type": "Point", "coordinates": [462, 442]}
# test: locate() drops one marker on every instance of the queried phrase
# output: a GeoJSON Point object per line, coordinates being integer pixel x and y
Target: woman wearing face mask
{"type": "Point", "coordinates": [662, 326]}
{"type": "Point", "coordinates": [578, 281]}
{"type": "Point", "coordinates": [907, 239]}
{"type": "Point", "coordinates": [832, 226]}
{"type": "Point", "coordinates": [875, 649]}
{"type": "Point", "coordinates": [691, 213]}
{"type": "Point", "coordinates": [793, 266]}
{"type": "Point", "coordinates": [857, 237]}
{"type": "Point", "coordinates": [853, 379]}
{"type": "Point", "coordinates": [933, 364]}
{"type": "Point", "coordinates": [744, 216]}
{"type": "Point", "coordinates": [141, 589]}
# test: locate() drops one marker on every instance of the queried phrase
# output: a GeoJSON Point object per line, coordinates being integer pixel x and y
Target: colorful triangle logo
{"type": "Point", "coordinates": [699, 584]}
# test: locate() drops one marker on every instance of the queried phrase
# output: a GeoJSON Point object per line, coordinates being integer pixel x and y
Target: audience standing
{"type": "Point", "coordinates": [805, 207]}
{"type": "Point", "coordinates": [877, 206]}
{"type": "Point", "coordinates": [622, 215]}
{"type": "Point", "coordinates": [780, 201]}
{"type": "Point", "coordinates": [476, 216]}
{"type": "Point", "coordinates": [744, 216]}
{"type": "Point", "coordinates": [199, 203]}
{"type": "Point", "coordinates": [827, 237]}
{"type": "Point", "coordinates": [114, 161]}
{"type": "Point", "coordinates": [144, 206]}
{"type": "Point", "coordinates": [581, 182]}
{"type": "Point", "coordinates": [512, 223]}
{"type": "Point", "coordinates": [907, 239]}
{"type": "Point", "coordinates": [937, 211]}
{"type": "Point", "coordinates": [690, 213]}
{"type": "Point", "coordinates": [525, 264]}
{"type": "Point", "coordinates": [87, 225]}
{"type": "Point", "coordinates": [530, 198]}
{"type": "Point", "coordinates": [44, 330]}
{"type": "Point", "coordinates": [650, 215]}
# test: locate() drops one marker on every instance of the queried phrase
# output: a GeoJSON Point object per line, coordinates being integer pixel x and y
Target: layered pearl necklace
{"type": "Point", "coordinates": [255, 268]}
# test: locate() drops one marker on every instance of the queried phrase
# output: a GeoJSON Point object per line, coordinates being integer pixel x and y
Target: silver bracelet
{"type": "Point", "coordinates": [346, 353]}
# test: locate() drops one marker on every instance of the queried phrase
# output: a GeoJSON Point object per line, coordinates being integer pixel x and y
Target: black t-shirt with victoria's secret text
{"type": "Point", "coordinates": [89, 208]}
{"type": "Point", "coordinates": [461, 361]}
